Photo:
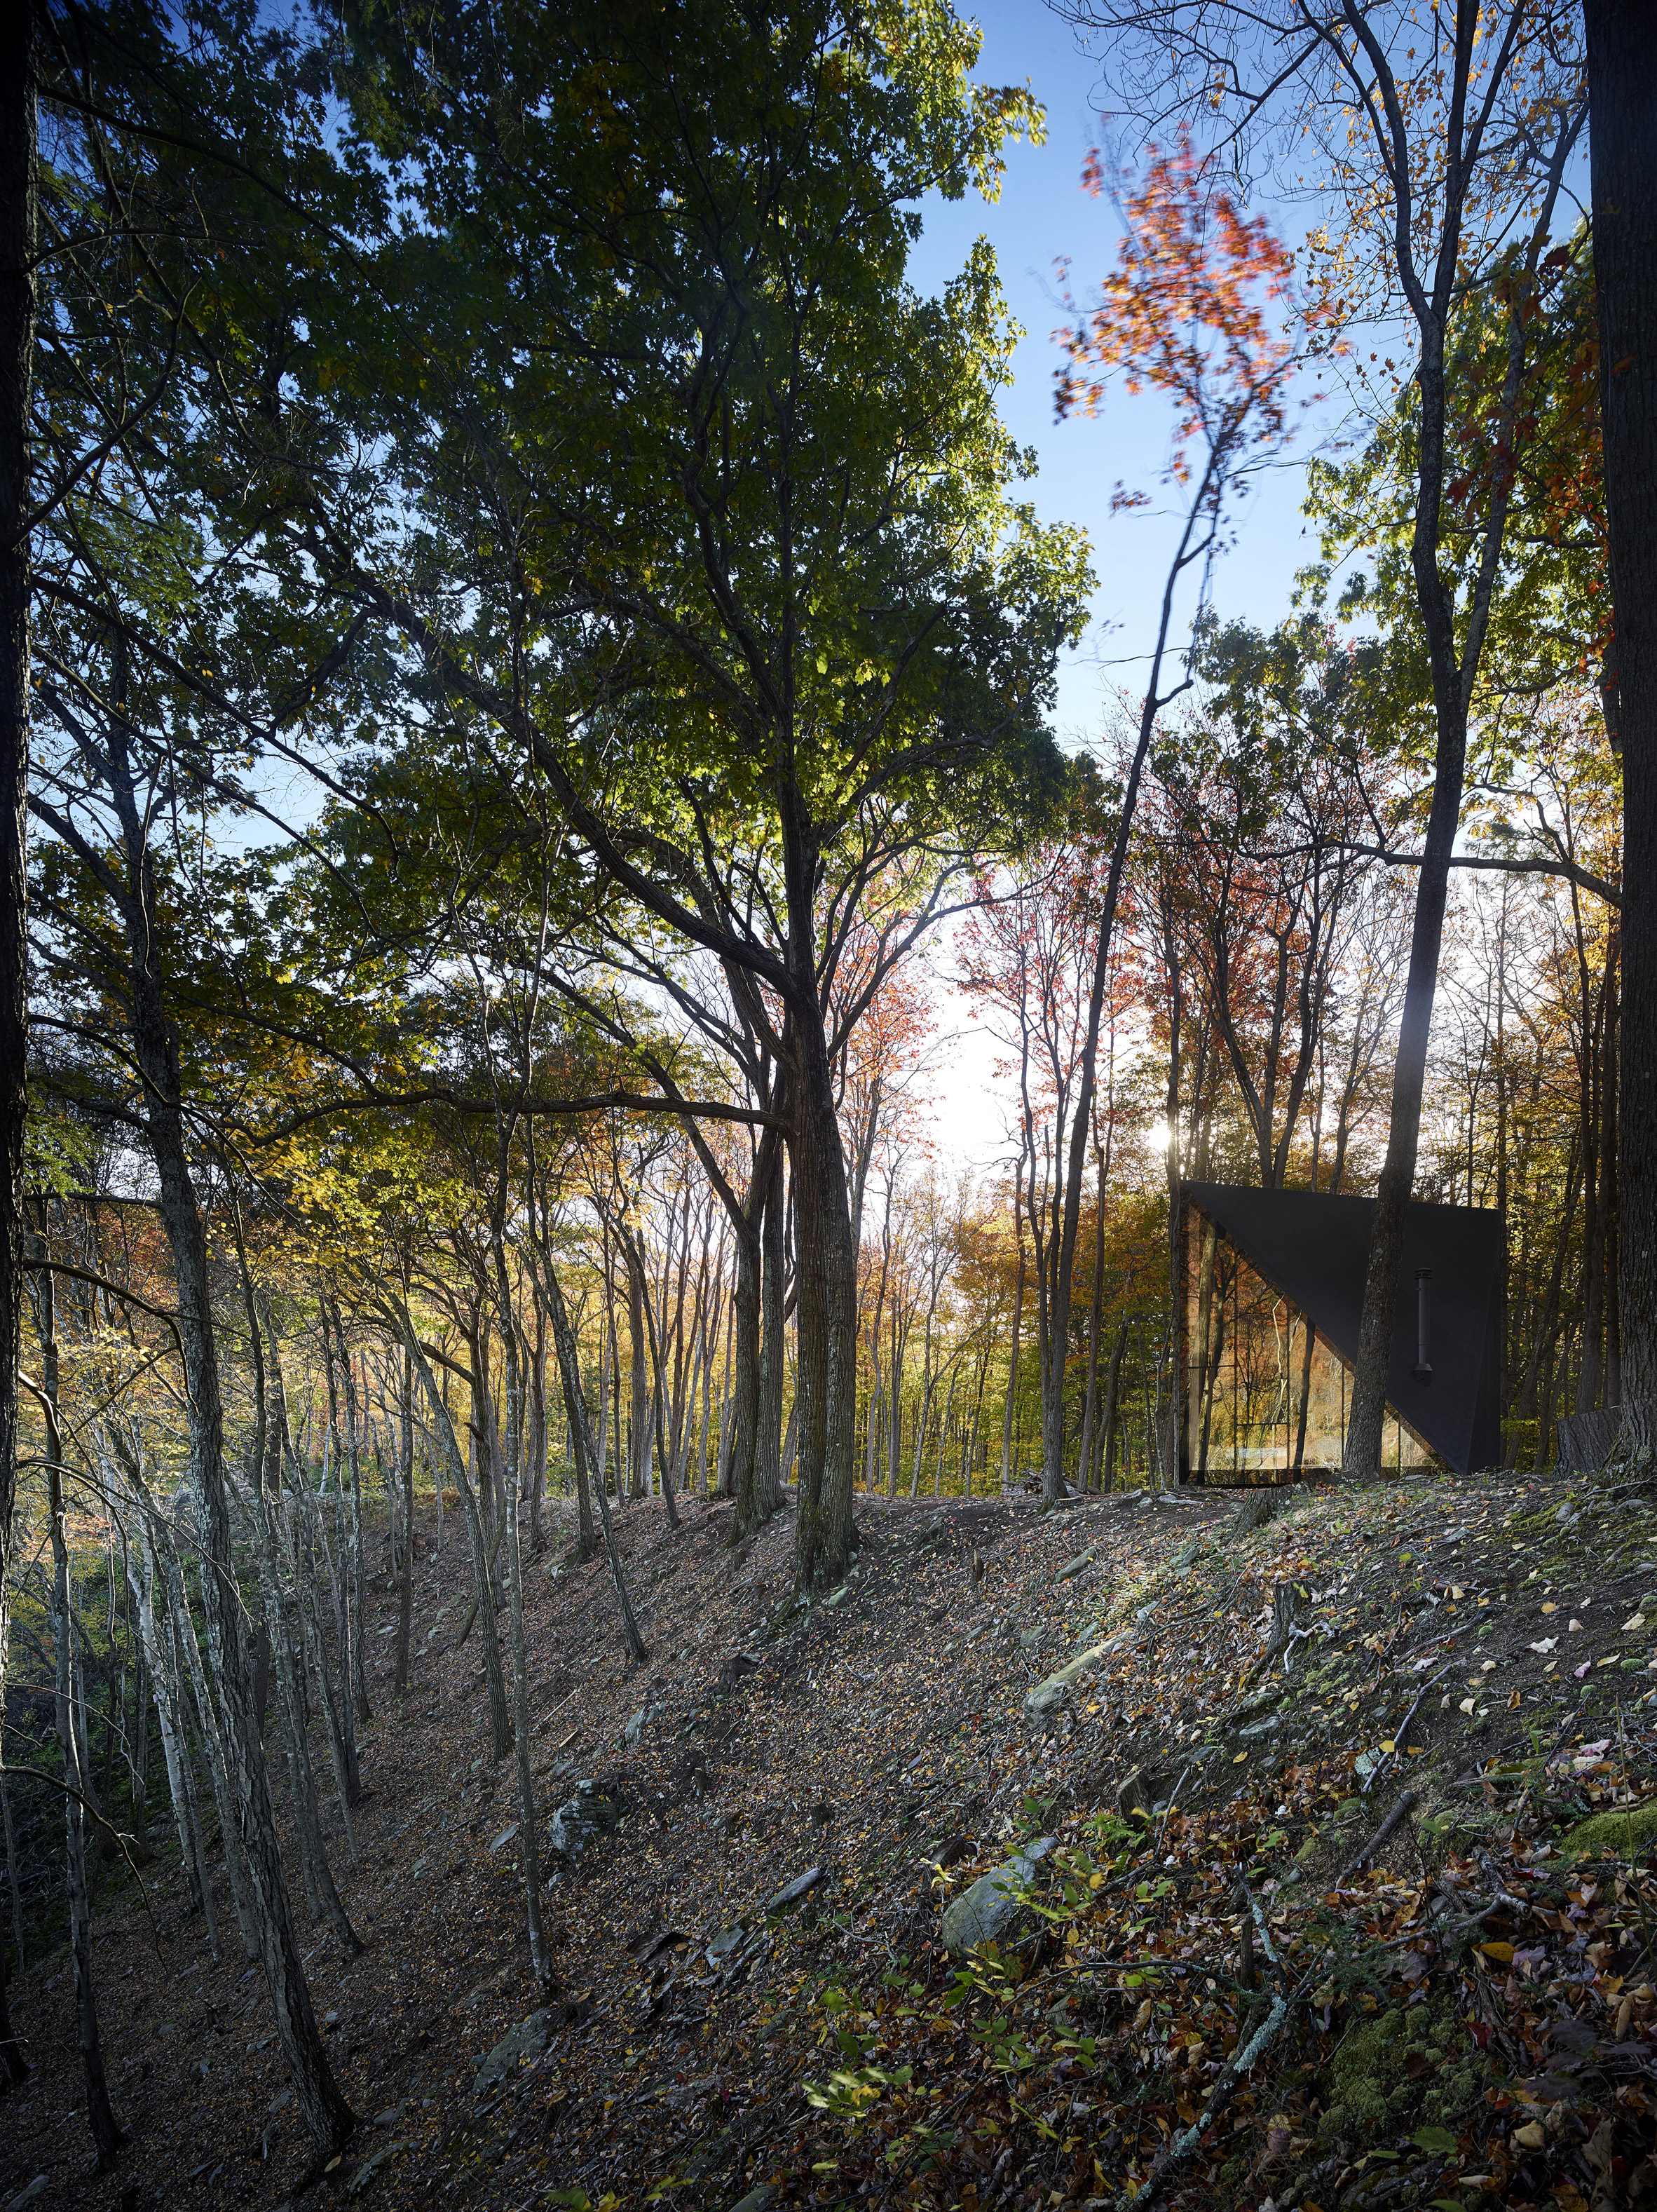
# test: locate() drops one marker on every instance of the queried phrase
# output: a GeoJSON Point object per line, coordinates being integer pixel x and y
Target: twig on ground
{"type": "Point", "coordinates": [1224, 2089]}
{"type": "Point", "coordinates": [1401, 1734]}
{"type": "Point", "coordinates": [1400, 1813]}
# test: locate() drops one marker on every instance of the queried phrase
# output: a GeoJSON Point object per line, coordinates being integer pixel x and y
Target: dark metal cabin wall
{"type": "Point", "coordinates": [1311, 1250]}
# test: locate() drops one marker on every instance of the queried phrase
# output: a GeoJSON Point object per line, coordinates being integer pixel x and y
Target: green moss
{"type": "Point", "coordinates": [1623, 1831]}
{"type": "Point", "coordinates": [1395, 2068]}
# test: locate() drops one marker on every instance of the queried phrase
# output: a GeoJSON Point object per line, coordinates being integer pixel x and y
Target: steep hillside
{"type": "Point", "coordinates": [1190, 1729]}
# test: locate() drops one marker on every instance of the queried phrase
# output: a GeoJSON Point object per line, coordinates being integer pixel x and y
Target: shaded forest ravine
{"type": "Point", "coordinates": [762, 1843]}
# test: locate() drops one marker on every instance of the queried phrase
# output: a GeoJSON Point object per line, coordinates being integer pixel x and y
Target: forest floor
{"type": "Point", "coordinates": [1469, 2019]}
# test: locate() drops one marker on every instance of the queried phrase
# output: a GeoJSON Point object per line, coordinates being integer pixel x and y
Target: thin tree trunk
{"type": "Point", "coordinates": [326, 2113]}
{"type": "Point", "coordinates": [767, 1444]}
{"type": "Point", "coordinates": [357, 1577]}
{"type": "Point", "coordinates": [1455, 639]}
{"type": "Point", "coordinates": [564, 1341]}
{"type": "Point", "coordinates": [826, 1308]}
{"type": "Point", "coordinates": [405, 1441]}
{"type": "Point", "coordinates": [11, 2050]}
{"type": "Point", "coordinates": [528, 1853]}
{"type": "Point", "coordinates": [1017, 1321]}
{"type": "Point", "coordinates": [106, 2131]}
{"type": "Point", "coordinates": [501, 1718]}
{"type": "Point", "coordinates": [741, 1458]}
{"type": "Point", "coordinates": [212, 1744]}
{"type": "Point", "coordinates": [143, 1587]}
{"type": "Point", "coordinates": [336, 1710]}
{"type": "Point", "coordinates": [1095, 1307]}
{"type": "Point", "coordinates": [17, 305]}
{"type": "Point", "coordinates": [321, 1895]}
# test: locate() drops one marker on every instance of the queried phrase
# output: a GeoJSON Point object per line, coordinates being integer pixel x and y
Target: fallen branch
{"type": "Point", "coordinates": [1400, 1813]}
{"type": "Point", "coordinates": [1401, 1734]}
{"type": "Point", "coordinates": [1220, 2096]}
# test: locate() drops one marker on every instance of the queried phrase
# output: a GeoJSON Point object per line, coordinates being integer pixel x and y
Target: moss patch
{"type": "Point", "coordinates": [1395, 2069]}
{"type": "Point", "coordinates": [1623, 1831]}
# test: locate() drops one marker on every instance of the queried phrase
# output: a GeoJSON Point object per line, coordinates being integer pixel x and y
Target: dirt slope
{"type": "Point", "coordinates": [1242, 1718]}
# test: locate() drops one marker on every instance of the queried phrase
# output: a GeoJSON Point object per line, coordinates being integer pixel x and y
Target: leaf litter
{"type": "Point", "coordinates": [753, 1992]}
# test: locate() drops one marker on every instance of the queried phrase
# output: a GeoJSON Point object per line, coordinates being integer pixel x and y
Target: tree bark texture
{"type": "Point", "coordinates": [564, 1338]}
{"type": "Point", "coordinates": [327, 2115]}
{"type": "Point", "coordinates": [405, 1464]}
{"type": "Point", "coordinates": [18, 300]}
{"type": "Point", "coordinates": [501, 1718]}
{"type": "Point", "coordinates": [106, 2130]}
{"type": "Point", "coordinates": [1621, 58]}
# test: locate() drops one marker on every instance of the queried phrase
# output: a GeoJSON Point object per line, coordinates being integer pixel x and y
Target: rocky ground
{"type": "Point", "coordinates": [971, 1883]}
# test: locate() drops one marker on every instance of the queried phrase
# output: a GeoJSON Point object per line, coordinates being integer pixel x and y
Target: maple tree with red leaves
{"type": "Point", "coordinates": [1184, 314]}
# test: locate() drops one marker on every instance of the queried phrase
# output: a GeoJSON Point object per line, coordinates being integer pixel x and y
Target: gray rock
{"type": "Point", "coordinates": [1031, 1639]}
{"type": "Point", "coordinates": [504, 1838]}
{"type": "Point", "coordinates": [27, 2194]}
{"type": "Point", "coordinates": [726, 1943]}
{"type": "Point", "coordinates": [389, 2117]}
{"type": "Point", "coordinates": [757, 2200]}
{"type": "Point", "coordinates": [992, 1903]}
{"type": "Point", "coordinates": [631, 1733]}
{"type": "Point", "coordinates": [1045, 1702]}
{"type": "Point", "coordinates": [527, 2040]}
{"type": "Point", "coordinates": [371, 2168]}
{"type": "Point", "coordinates": [792, 1892]}
{"type": "Point", "coordinates": [594, 1810]}
{"type": "Point", "coordinates": [1071, 1568]}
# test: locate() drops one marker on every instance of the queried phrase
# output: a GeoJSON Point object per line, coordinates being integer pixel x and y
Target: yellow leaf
{"type": "Point", "coordinates": [1501, 1952]}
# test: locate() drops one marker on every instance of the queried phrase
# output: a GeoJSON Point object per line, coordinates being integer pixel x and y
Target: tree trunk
{"type": "Point", "coordinates": [537, 1443]}
{"type": "Point", "coordinates": [405, 1458]}
{"type": "Point", "coordinates": [1095, 1306]}
{"type": "Point", "coordinates": [105, 2132]}
{"type": "Point", "coordinates": [11, 2051]}
{"type": "Point", "coordinates": [17, 226]}
{"type": "Point", "coordinates": [138, 1755]}
{"type": "Point", "coordinates": [143, 1578]}
{"type": "Point", "coordinates": [1621, 67]}
{"type": "Point", "coordinates": [741, 1460]}
{"type": "Point", "coordinates": [501, 1719]}
{"type": "Point", "coordinates": [1111, 1421]}
{"type": "Point", "coordinates": [213, 1745]}
{"type": "Point", "coordinates": [1309, 1336]}
{"type": "Point", "coordinates": [773, 1354]}
{"type": "Point", "coordinates": [563, 1338]}
{"type": "Point", "coordinates": [1018, 1322]}
{"type": "Point", "coordinates": [528, 1853]}
{"type": "Point", "coordinates": [639, 1457]}
{"type": "Point", "coordinates": [321, 1896]}
{"type": "Point", "coordinates": [826, 1304]}
{"type": "Point", "coordinates": [336, 1708]}
{"type": "Point", "coordinates": [357, 1575]}
{"type": "Point", "coordinates": [328, 2117]}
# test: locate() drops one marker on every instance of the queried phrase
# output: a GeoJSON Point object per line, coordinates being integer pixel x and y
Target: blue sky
{"type": "Point", "coordinates": [1043, 214]}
